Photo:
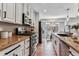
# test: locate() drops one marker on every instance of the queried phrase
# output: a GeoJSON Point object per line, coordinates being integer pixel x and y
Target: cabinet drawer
{"type": "Point", "coordinates": [20, 52]}
{"type": "Point", "coordinates": [26, 52]}
{"type": "Point", "coordinates": [27, 43]}
{"type": "Point", "coordinates": [2, 53]}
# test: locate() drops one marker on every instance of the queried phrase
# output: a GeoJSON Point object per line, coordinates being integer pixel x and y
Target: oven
{"type": "Point", "coordinates": [33, 41]}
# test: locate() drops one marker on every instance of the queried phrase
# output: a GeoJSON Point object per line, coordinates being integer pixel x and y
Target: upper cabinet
{"type": "Point", "coordinates": [27, 14]}
{"type": "Point", "coordinates": [25, 8]}
{"type": "Point", "coordinates": [19, 11]}
{"type": "Point", "coordinates": [13, 13]}
{"type": "Point", "coordinates": [32, 16]}
{"type": "Point", "coordinates": [28, 10]}
{"type": "Point", "coordinates": [0, 10]}
{"type": "Point", "coordinates": [9, 12]}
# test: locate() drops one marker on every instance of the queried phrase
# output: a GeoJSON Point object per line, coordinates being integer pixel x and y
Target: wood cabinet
{"type": "Point", "coordinates": [9, 12]}
{"type": "Point", "coordinates": [19, 11]}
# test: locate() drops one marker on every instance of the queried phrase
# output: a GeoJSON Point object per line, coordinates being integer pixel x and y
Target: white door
{"type": "Point", "coordinates": [9, 12]}
{"type": "Point", "coordinates": [19, 11]}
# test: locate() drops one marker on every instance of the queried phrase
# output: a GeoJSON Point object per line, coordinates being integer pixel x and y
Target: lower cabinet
{"type": "Point", "coordinates": [27, 44]}
{"type": "Point", "coordinates": [19, 49]}
{"type": "Point", "coordinates": [64, 49]}
{"type": "Point", "coordinates": [60, 48]}
{"type": "Point", "coordinates": [15, 50]}
{"type": "Point", "coordinates": [72, 52]}
{"type": "Point", "coordinates": [27, 52]}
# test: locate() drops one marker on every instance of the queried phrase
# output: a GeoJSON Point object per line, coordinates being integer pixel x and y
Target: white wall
{"type": "Point", "coordinates": [8, 27]}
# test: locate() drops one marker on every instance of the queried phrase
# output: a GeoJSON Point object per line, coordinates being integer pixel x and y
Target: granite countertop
{"type": "Point", "coordinates": [5, 43]}
{"type": "Point", "coordinates": [70, 42]}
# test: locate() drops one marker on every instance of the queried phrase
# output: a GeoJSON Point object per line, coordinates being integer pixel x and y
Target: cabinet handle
{"type": "Point", "coordinates": [55, 42]}
{"type": "Point", "coordinates": [15, 55]}
{"type": "Point", "coordinates": [12, 49]}
{"type": "Point", "coordinates": [4, 14]}
{"type": "Point", "coordinates": [71, 53]}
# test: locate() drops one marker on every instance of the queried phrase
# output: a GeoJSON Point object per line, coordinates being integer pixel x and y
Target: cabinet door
{"type": "Point", "coordinates": [19, 12]}
{"type": "Point", "coordinates": [32, 16]}
{"type": "Point", "coordinates": [57, 46]}
{"type": "Point", "coordinates": [25, 9]}
{"type": "Point", "coordinates": [64, 49]}
{"type": "Point", "coordinates": [0, 10]}
{"type": "Point", "coordinates": [9, 12]}
{"type": "Point", "coordinates": [27, 47]}
{"type": "Point", "coordinates": [28, 10]}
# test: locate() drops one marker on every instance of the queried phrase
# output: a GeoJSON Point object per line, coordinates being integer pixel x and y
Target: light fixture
{"type": "Point", "coordinates": [45, 10]}
{"type": "Point", "coordinates": [78, 9]}
{"type": "Point", "coordinates": [67, 16]}
{"type": "Point", "coordinates": [47, 23]}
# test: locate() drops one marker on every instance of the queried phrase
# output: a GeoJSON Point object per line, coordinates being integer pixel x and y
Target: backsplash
{"type": "Point", "coordinates": [8, 27]}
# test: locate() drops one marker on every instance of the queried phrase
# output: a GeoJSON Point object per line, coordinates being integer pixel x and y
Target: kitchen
{"type": "Point", "coordinates": [25, 26]}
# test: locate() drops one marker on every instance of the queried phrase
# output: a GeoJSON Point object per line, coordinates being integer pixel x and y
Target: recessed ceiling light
{"type": "Point", "coordinates": [45, 10]}
{"type": "Point", "coordinates": [47, 23]}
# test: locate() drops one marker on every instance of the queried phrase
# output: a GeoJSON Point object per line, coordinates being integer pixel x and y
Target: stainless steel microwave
{"type": "Point", "coordinates": [25, 19]}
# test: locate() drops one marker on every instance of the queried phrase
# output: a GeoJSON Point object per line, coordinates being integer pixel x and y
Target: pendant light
{"type": "Point", "coordinates": [67, 17]}
{"type": "Point", "coordinates": [78, 10]}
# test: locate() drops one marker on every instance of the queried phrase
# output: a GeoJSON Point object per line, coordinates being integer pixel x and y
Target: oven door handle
{"type": "Point", "coordinates": [12, 49]}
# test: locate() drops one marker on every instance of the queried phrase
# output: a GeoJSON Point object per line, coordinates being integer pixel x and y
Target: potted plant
{"type": "Point", "coordinates": [76, 27]}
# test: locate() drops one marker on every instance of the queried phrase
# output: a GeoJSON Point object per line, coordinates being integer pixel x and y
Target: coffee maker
{"type": "Point", "coordinates": [24, 31]}
{"type": "Point", "coordinates": [20, 31]}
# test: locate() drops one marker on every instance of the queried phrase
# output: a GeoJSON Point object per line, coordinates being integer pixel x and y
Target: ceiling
{"type": "Point", "coordinates": [55, 10]}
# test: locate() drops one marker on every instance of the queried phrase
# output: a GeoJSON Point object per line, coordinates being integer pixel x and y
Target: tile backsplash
{"type": "Point", "coordinates": [8, 27]}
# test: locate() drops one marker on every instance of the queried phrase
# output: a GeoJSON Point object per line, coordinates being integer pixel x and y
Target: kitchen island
{"type": "Point", "coordinates": [64, 46]}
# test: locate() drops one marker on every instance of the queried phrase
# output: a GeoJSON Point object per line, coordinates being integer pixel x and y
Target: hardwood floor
{"type": "Point", "coordinates": [45, 49]}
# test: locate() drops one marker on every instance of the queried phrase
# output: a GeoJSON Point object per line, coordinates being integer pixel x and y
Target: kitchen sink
{"type": "Point", "coordinates": [65, 35]}
{"type": "Point", "coordinates": [62, 34]}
